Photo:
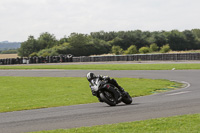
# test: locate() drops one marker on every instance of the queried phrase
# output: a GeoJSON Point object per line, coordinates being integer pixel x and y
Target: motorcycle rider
{"type": "Point", "coordinates": [91, 77]}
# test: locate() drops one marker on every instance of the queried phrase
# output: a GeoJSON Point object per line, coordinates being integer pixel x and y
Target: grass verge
{"type": "Point", "coordinates": [23, 93]}
{"type": "Point", "coordinates": [176, 124]}
{"type": "Point", "coordinates": [184, 66]}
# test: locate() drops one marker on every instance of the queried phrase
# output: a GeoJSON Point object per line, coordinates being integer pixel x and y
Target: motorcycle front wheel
{"type": "Point", "coordinates": [108, 98]}
{"type": "Point", "coordinates": [127, 99]}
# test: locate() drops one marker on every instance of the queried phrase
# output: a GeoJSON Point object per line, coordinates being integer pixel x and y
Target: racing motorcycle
{"type": "Point", "coordinates": [110, 94]}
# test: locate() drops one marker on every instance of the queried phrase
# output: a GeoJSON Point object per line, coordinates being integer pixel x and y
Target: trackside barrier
{"type": "Point", "coordinates": [139, 57]}
{"type": "Point", "coordinates": [70, 58]}
{"type": "Point", "coordinates": [34, 60]}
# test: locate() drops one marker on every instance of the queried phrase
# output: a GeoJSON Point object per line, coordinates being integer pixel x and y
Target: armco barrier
{"type": "Point", "coordinates": [139, 57]}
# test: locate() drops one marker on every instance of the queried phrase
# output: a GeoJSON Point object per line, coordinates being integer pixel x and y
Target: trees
{"type": "Point", "coordinates": [10, 51]}
{"type": "Point", "coordinates": [84, 45]}
{"type": "Point", "coordinates": [117, 41]}
{"type": "Point", "coordinates": [46, 40]}
{"type": "Point", "coordinates": [78, 40]}
{"type": "Point", "coordinates": [28, 47]}
{"type": "Point", "coordinates": [97, 47]}
{"type": "Point", "coordinates": [160, 38]}
{"type": "Point", "coordinates": [176, 40]}
{"type": "Point", "coordinates": [190, 39]}
{"type": "Point", "coordinates": [77, 44]}
{"type": "Point", "coordinates": [196, 32]}
{"type": "Point", "coordinates": [104, 42]}
{"type": "Point", "coordinates": [63, 40]}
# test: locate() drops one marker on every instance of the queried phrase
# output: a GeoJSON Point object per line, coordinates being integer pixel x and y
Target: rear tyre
{"type": "Point", "coordinates": [108, 98]}
{"type": "Point", "coordinates": [127, 99]}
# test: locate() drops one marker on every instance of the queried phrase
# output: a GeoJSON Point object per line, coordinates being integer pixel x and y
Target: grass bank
{"type": "Point", "coordinates": [177, 124]}
{"type": "Point", "coordinates": [23, 93]}
{"type": "Point", "coordinates": [183, 66]}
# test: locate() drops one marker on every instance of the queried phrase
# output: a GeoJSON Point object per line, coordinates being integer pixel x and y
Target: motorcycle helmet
{"type": "Point", "coordinates": [90, 76]}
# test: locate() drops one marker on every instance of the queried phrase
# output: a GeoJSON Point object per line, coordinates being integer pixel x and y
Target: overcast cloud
{"type": "Point", "coordinates": [21, 18]}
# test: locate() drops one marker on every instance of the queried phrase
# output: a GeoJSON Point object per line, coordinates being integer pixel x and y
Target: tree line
{"type": "Point", "coordinates": [10, 51]}
{"type": "Point", "coordinates": [121, 42]}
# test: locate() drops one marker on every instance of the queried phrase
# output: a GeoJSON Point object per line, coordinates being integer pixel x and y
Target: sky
{"type": "Point", "coordinates": [22, 18]}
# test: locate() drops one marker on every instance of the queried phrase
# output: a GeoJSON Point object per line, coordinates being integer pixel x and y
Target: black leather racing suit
{"type": "Point", "coordinates": [111, 81]}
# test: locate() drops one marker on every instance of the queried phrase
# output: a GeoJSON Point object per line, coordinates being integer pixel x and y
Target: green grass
{"type": "Point", "coordinates": [176, 124]}
{"type": "Point", "coordinates": [110, 66]}
{"type": "Point", "coordinates": [23, 93]}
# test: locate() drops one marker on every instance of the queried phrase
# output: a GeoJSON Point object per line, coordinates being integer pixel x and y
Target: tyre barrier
{"type": "Point", "coordinates": [36, 60]}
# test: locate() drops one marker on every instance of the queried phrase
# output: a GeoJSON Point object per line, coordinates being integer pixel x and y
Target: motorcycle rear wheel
{"type": "Point", "coordinates": [108, 98]}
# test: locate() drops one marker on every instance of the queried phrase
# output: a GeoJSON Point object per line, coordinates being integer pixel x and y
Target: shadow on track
{"type": "Point", "coordinates": [123, 105]}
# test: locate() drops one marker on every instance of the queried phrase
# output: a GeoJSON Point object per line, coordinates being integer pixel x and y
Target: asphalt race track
{"type": "Point", "coordinates": [177, 102]}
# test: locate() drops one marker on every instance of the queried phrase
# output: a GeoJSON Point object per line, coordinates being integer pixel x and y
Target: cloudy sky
{"type": "Point", "coordinates": [21, 18]}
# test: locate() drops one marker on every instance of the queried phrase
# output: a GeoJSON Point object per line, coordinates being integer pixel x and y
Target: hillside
{"type": "Point", "coordinates": [5, 45]}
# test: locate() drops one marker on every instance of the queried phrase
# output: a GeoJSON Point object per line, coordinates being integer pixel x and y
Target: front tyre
{"type": "Point", "coordinates": [108, 98]}
{"type": "Point", "coordinates": [127, 99]}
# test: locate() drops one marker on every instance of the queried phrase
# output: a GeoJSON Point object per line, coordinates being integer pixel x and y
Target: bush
{"type": "Point", "coordinates": [117, 50]}
{"type": "Point", "coordinates": [154, 47]}
{"type": "Point", "coordinates": [144, 50]}
{"type": "Point", "coordinates": [165, 48]}
{"type": "Point", "coordinates": [33, 54]}
{"type": "Point", "coordinates": [45, 54]}
{"type": "Point", "coordinates": [131, 50]}
{"type": "Point", "coordinates": [48, 52]}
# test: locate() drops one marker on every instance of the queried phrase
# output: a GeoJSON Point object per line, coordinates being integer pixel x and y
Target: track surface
{"type": "Point", "coordinates": [178, 102]}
